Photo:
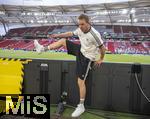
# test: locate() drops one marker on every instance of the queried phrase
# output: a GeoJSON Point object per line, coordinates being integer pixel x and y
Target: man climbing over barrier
{"type": "Point", "coordinates": [86, 53]}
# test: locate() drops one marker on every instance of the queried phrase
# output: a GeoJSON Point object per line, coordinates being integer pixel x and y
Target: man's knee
{"type": "Point", "coordinates": [63, 40]}
{"type": "Point", "coordinates": [81, 82]}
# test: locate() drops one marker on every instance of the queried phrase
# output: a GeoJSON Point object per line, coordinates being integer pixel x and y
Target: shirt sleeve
{"type": "Point", "coordinates": [76, 32]}
{"type": "Point", "coordinates": [97, 39]}
{"type": "Point", "coordinates": [100, 41]}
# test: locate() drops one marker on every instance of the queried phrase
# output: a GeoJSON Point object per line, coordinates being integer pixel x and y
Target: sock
{"type": "Point", "coordinates": [82, 101]}
{"type": "Point", "coordinates": [46, 48]}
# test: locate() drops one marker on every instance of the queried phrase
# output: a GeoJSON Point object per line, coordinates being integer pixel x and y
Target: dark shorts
{"type": "Point", "coordinates": [83, 64]}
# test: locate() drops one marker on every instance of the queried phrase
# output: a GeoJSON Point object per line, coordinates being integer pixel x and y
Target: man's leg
{"type": "Point", "coordinates": [39, 48]}
{"type": "Point", "coordinates": [58, 44]}
{"type": "Point", "coordinates": [82, 90]}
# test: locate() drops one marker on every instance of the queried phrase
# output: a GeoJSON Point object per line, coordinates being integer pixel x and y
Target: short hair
{"type": "Point", "coordinates": [85, 17]}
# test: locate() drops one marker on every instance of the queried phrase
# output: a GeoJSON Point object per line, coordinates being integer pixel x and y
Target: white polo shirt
{"type": "Point", "coordinates": [90, 43]}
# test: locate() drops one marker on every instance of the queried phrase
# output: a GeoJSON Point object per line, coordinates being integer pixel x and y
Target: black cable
{"type": "Point", "coordinates": [137, 81]}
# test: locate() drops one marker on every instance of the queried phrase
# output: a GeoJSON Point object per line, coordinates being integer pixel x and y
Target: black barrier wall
{"type": "Point", "coordinates": [110, 87]}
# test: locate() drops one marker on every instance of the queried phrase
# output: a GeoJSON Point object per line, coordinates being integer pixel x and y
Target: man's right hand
{"type": "Point", "coordinates": [53, 36]}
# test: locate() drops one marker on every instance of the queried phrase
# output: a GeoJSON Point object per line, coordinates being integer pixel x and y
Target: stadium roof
{"type": "Point", "coordinates": [56, 2]}
{"type": "Point", "coordinates": [122, 13]}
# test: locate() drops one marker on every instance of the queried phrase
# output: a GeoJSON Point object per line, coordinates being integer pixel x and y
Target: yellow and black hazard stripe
{"type": "Point", "coordinates": [11, 78]}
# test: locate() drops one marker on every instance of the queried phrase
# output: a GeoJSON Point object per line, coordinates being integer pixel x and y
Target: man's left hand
{"type": "Point", "coordinates": [98, 63]}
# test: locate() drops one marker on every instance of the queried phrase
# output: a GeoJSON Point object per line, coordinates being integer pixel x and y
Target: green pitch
{"type": "Point", "coordinates": [98, 114]}
{"type": "Point", "coordinates": [64, 56]}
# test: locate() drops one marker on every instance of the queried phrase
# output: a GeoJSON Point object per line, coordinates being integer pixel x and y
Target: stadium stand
{"type": "Point", "coordinates": [114, 46]}
{"type": "Point", "coordinates": [118, 39]}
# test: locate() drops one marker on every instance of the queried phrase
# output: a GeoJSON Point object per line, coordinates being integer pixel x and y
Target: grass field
{"type": "Point", "coordinates": [125, 58]}
{"type": "Point", "coordinates": [98, 114]}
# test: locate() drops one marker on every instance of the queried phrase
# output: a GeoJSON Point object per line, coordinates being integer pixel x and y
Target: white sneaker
{"type": "Point", "coordinates": [39, 48]}
{"type": "Point", "coordinates": [78, 111]}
